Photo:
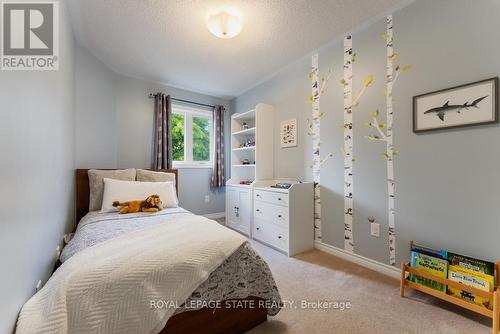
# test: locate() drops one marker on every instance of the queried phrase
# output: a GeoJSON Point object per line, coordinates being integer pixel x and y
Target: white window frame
{"type": "Point", "coordinates": [189, 112]}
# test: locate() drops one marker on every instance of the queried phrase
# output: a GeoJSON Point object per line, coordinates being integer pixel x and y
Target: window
{"type": "Point", "coordinates": [192, 136]}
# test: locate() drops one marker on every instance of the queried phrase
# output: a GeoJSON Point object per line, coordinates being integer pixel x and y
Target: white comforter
{"type": "Point", "coordinates": [108, 288]}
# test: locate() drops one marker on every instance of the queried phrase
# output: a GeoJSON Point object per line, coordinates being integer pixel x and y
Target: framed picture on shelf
{"type": "Point", "coordinates": [288, 133]}
{"type": "Point", "coordinates": [470, 104]}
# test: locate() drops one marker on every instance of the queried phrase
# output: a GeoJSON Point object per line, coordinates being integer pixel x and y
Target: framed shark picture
{"type": "Point", "coordinates": [471, 104]}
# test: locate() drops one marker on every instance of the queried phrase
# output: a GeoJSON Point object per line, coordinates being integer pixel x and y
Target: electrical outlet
{"type": "Point", "coordinates": [38, 285]}
{"type": "Point", "coordinates": [207, 199]}
{"type": "Point", "coordinates": [375, 229]}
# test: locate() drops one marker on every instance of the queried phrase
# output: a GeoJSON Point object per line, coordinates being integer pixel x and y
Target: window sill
{"type": "Point", "coordinates": [192, 166]}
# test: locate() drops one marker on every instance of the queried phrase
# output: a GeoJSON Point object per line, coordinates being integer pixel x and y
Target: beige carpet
{"type": "Point", "coordinates": [376, 305]}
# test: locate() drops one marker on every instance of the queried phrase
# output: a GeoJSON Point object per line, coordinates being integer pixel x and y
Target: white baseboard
{"type": "Point", "coordinates": [215, 215]}
{"type": "Point", "coordinates": [361, 260]}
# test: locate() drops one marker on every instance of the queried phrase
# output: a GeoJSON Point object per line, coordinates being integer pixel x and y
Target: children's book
{"type": "Point", "coordinates": [472, 278]}
{"type": "Point", "coordinates": [471, 263]}
{"type": "Point", "coordinates": [429, 251]}
{"type": "Point", "coordinates": [431, 264]}
{"type": "Point", "coordinates": [472, 272]}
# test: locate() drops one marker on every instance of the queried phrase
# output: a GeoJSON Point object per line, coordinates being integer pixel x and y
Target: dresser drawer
{"type": "Point", "coordinates": [276, 214]}
{"type": "Point", "coordinates": [271, 234]}
{"type": "Point", "coordinates": [271, 197]}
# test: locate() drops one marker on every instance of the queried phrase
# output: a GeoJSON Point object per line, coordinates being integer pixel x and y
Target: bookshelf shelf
{"type": "Point", "coordinates": [245, 115]}
{"type": "Point", "coordinates": [248, 148]}
{"type": "Point", "coordinates": [245, 132]}
{"type": "Point", "coordinates": [494, 314]}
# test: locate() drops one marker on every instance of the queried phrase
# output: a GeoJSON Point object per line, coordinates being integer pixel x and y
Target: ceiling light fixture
{"type": "Point", "coordinates": [225, 23]}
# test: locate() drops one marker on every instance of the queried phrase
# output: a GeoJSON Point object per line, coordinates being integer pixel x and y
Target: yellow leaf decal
{"type": "Point", "coordinates": [385, 36]}
{"type": "Point", "coordinates": [375, 114]}
{"type": "Point", "coordinates": [342, 150]}
{"type": "Point", "coordinates": [355, 104]}
{"type": "Point", "coordinates": [343, 82]}
{"type": "Point", "coordinates": [368, 80]}
{"type": "Point", "coordinates": [381, 125]}
{"type": "Point", "coordinates": [386, 157]}
{"type": "Point", "coordinates": [367, 124]}
{"type": "Point", "coordinates": [406, 68]}
{"type": "Point", "coordinates": [394, 56]}
{"type": "Point", "coordinates": [311, 98]}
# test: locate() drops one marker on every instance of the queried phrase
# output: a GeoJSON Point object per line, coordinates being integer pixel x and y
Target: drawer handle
{"type": "Point", "coordinates": [258, 195]}
{"type": "Point", "coordinates": [257, 228]}
{"type": "Point", "coordinates": [279, 237]}
{"type": "Point", "coordinates": [258, 210]}
{"type": "Point", "coordinates": [279, 216]}
{"type": "Point", "coordinates": [279, 198]}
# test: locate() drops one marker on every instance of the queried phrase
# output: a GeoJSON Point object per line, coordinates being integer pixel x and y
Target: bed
{"type": "Point", "coordinates": [195, 276]}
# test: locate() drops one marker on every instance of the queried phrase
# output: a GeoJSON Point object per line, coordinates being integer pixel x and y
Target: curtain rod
{"type": "Point", "coordinates": [151, 95]}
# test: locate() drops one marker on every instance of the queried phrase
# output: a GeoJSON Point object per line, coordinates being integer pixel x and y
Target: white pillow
{"type": "Point", "coordinates": [117, 190]}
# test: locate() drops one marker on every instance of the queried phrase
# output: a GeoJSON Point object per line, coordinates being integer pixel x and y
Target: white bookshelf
{"type": "Point", "coordinates": [260, 165]}
{"type": "Point", "coordinates": [259, 131]}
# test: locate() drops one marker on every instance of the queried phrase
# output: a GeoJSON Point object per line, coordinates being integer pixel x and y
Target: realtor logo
{"type": "Point", "coordinates": [29, 35]}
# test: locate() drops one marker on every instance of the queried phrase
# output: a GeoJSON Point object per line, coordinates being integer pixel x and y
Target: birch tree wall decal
{"type": "Point", "coordinates": [387, 137]}
{"type": "Point", "coordinates": [314, 130]}
{"type": "Point", "coordinates": [348, 149]}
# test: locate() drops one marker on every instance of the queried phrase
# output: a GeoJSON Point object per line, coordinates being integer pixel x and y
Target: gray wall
{"type": "Point", "coordinates": [448, 181]}
{"type": "Point", "coordinates": [37, 180]}
{"type": "Point", "coordinates": [115, 127]}
{"type": "Point", "coordinates": [95, 112]}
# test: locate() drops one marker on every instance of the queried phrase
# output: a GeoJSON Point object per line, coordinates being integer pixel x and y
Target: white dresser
{"type": "Point", "coordinates": [284, 218]}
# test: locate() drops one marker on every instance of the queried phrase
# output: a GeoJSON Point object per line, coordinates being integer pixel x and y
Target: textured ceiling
{"type": "Point", "coordinates": [167, 40]}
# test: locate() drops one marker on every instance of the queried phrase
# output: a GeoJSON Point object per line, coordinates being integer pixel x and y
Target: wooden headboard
{"type": "Point", "coordinates": [83, 190]}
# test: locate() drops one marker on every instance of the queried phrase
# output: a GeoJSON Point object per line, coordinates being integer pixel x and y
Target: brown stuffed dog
{"type": "Point", "coordinates": [150, 204]}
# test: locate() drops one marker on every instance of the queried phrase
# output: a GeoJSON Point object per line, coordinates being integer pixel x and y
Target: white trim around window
{"type": "Point", "coordinates": [189, 112]}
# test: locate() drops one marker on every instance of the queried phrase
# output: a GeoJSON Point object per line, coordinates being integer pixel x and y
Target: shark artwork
{"type": "Point", "coordinates": [447, 108]}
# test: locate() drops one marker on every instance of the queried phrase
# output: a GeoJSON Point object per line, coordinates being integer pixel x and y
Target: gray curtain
{"type": "Point", "coordinates": [162, 147]}
{"type": "Point", "coordinates": [218, 173]}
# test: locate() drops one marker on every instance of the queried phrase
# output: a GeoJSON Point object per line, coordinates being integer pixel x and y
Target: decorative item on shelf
{"type": "Point", "coordinates": [288, 133]}
{"type": "Point", "coordinates": [246, 183]}
{"type": "Point", "coordinates": [245, 126]}
{"type": "Point", "coordinates": [249, 143]}
{"type": "Point", "coordinates": [471, 104]}
{"type": "Point", "coordinates": [245, 162]}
